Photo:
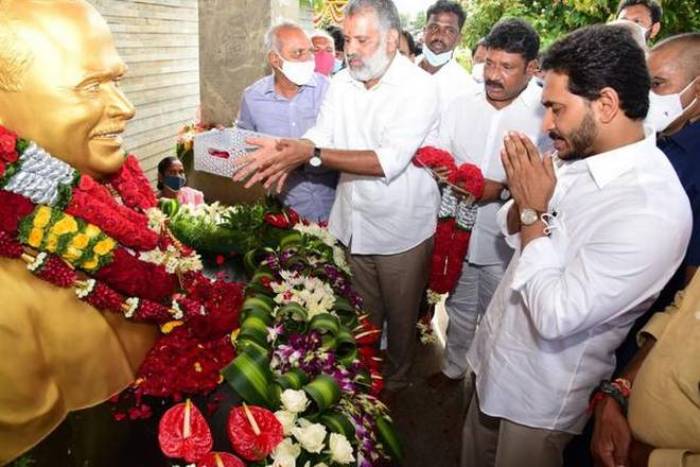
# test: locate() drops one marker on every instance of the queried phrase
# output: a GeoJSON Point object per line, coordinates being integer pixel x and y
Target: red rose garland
{"type": "Point", "coordinates": [451, 239]}
{"type": "Point", "coordinates": [188, 360]}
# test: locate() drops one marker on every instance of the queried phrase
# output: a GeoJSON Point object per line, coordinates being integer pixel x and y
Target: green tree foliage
{"type": "Point", "coordinates": [554, 18]}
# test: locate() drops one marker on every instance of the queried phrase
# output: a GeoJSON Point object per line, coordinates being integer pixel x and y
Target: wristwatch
{"type": "Point", "coordinates": [528, 216]}
{"type": "Point", "coordinates": [315, 160]}
{"type": "Point", "coordinates": [504, 194]}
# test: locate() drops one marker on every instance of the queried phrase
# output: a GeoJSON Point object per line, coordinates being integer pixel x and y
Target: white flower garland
{"type": "Point", "coordinates": [40, 176]}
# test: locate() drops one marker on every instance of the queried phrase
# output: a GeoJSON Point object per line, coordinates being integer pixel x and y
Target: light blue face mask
{"type": "Point", "coordinates": [436, 59]}
{"type": "Point", "coordinates": [337, 66]}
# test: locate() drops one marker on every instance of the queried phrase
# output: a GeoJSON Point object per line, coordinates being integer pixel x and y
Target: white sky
{"type": "Point", "coordinates": [412, 7]}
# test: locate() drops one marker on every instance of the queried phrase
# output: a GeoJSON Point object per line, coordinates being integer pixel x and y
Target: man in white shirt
{"type": "Point", "coordinates": [376, 114]}
{"type": "Point", "coordinates": [472, 130]}
{"type": "Point", "coordinates": [597, 234]}
{"type": "Point", "coordinates": [441, 34]}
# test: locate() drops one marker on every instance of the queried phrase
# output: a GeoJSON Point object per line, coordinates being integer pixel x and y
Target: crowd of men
{"type": "Point", "coordinates": [584, 233]}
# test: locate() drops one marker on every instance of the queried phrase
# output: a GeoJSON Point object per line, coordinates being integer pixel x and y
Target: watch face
{"type": "Point", "coordinates": [315, 161]}
{"type": "Point", "coordinates": [528, 216]}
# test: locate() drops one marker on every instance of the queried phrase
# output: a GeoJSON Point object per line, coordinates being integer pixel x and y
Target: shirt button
{"type": "Point", "coordinates": [294, 124]}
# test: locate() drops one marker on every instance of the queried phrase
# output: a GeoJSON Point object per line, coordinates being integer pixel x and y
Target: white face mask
{"type": "Point", "coordinates": [436, 59]}
{"type": "Point", "coordinates": [478, 72]}
{"type": "Point", "coordinates": [299, 73]}
{"type": "Point", "coordinates": [665, 109]}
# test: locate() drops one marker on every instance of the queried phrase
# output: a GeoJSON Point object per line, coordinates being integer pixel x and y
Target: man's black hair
{"type": "Point", "coordinates": [654, 8]}
{"type": "Point", "coordinates": [602, 56]}
{"type": "Point", "coordinates": [514, 36]}
{"type": "Point", "coordinates": [337, 35]}
{"type": "Point", "coordinates": [410, 41]}
{"type": "Point", "coordinates": [446, 6]}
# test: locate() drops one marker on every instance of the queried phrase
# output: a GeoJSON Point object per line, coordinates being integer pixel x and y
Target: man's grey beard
{"type": "Point", "coordinates": [373, 67]}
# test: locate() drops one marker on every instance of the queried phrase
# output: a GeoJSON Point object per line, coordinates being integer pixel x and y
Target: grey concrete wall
{"type": "Point", "coordinates": [231, 57]}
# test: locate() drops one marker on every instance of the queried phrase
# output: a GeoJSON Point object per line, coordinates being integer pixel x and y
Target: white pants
{"type": "Point", "coordinates": [465, 306]}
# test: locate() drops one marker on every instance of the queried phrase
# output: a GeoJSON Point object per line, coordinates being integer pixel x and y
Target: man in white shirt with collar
{"type": "Point", "coordinates": [597, 232]}
{"type": "Point", "coordinates": [441, 34]}
{"type": "Point", "coordinates": [376, 114]}
{"type": "Point", "coordinates": [472, 130]}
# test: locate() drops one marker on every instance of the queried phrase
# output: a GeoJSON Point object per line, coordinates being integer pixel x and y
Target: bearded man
{"type": "Point", "coordinates": [376, 114]}
{"type": "Point", "coordinates": [59, 75]}
{"type": "Point", "coordinates": [597, 232]}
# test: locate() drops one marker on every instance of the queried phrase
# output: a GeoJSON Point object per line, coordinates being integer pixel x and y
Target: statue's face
{"type": "Point", "coordinates": [70, 102]}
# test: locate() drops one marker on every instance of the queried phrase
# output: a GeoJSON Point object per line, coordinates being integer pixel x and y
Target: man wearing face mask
{"type": "Point", "coordinates": [472, 130]}
{"type": "Point", "coordinates": [645, 13]}
{"type": "Point", "coordinates": [324, 53]}
{"type": "Point", "coordinates": [479, 60]}
{"type": "Point", "coordinates": [674, 110]}
{"type": "Point", "coordinates": [286, 104]}
{"type": "Point", "coordinates": [441, 35]}
{"type": "Point", "coordinates": [376, 115]}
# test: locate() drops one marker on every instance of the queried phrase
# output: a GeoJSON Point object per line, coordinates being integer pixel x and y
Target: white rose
{"type": "Point", "coordinates": [294, 401]}
{"type": "Point", "coordinates": [287, 420]}
{"type": "Point", "coordinates": [286, 453]}
{"type": "Point", "coordinates": [311, 436]}
{"type": "Point", "coordinates": [341, 449]}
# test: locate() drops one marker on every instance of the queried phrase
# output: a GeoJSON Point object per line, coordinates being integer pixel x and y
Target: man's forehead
{"type": "Point", "coordinates": [555, 87]}
{"type": "Point", "coordinates": [635, 12]}
{"type": "Point", "coordinates": [501, 55]}
{"type": "Point", "coordinates": [443, 17]}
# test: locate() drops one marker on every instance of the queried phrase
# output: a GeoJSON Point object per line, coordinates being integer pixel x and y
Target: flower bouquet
{"type": "Point", "coordinates": [305, 357]}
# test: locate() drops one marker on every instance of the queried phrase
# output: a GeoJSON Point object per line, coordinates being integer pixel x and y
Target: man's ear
{"type": "Point", "coordinates": [274, 59]}
{"type": "Point", "coordinates": [655, 28]}
{"type": "Point", "coordinates": [392, 43]}
{"type": "Point", "coordinates": [532, 67]}
{"type": "Point", "coordinates": [607, 105]}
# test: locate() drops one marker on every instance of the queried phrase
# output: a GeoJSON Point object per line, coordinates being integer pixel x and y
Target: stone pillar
{"type": "Point", "coordinates": [231, 57]}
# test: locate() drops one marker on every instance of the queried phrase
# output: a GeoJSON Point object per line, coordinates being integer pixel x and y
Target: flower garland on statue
{"type": "Point", "coordinates": [110, 243]}
{"type": "Point", "coordinates": [456, 218]}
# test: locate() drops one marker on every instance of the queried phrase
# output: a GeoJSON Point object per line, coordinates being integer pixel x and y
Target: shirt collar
{"type": "Point", "coordinates": [269, 83]}
{"type": "Point", "coordinates": [688, 137]}
{"type": "Point", "coordinates": [607, 166]}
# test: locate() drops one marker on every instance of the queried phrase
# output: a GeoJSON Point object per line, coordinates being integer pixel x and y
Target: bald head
{"type": "Point", "coordinates": [683, 51]}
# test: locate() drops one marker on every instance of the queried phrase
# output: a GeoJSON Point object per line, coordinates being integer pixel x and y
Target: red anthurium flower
{"type": "Point", "coordinates": [254, 432]}
{"type": "Point", "coordinates": [220, 459]}
{"type": "Point", "coordinates": [184, 434]}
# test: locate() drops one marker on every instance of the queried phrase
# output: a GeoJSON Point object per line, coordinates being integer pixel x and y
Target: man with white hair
{"type": "Point", "coordinates": [286, 104]}
{"type": "Point", "coordinates": [324, 53]}
{"type": "Point", "coordinates": [376, 115]}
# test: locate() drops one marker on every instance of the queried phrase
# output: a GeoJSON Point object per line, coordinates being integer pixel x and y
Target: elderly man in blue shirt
{"type": "Point", "coordinates": [285, 104]}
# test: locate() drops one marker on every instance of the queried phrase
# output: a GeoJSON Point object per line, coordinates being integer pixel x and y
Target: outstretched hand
{"type": "Point", "coordinates": [272, 162]}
